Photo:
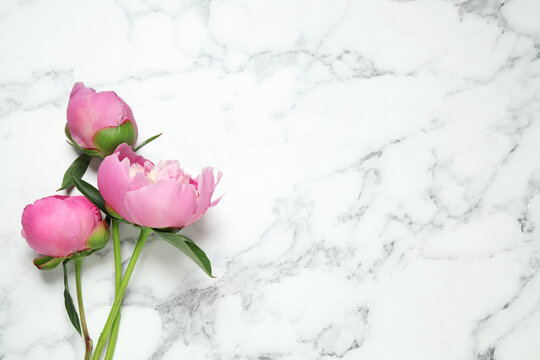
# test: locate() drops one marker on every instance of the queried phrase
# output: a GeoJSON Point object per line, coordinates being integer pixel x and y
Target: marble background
{"type": "Point", "coordinates": [381, 175]}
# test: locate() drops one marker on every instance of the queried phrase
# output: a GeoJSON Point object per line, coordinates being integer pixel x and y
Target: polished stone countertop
{"type": "Point", "coordinates": [381, 182]}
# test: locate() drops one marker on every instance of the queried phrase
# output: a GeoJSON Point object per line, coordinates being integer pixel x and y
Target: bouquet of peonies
{"type": "Point", "coordinates": [158, 198]}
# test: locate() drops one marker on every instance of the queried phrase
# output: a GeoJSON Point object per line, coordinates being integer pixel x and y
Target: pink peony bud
{"type": "Point", "coordinates": [99, 121]}
{"type": "Point", "coordinates": [59, 226]}
{"type": "Point", "coordinates": [157, 196]}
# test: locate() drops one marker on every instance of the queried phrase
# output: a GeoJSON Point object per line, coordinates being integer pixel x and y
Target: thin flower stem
{"type": "Point", "coordinates": [87, 339]}
{"type": "Point", "coordinates": [112, 340]}
{"type": "Point", "coordinates": [118, 280]}
{"type": "Point", "coordinates": [123, 286]}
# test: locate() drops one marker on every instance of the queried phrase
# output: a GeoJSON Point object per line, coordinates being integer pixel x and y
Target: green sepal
{"type": "Point", "coordinates": [80, 254]}
{"type": "Point", "coordinates": [92, 153]}
{"type": "Point", "coordinates": [114, 214]}
{"type": "Point", "coordinates": [188, 247]}
{"type": "Point", "coordinates": [99, 236]}
{"type": "Point", "coordinates": [50, 262]}
{"type": "Point", "coordinates": [68, 301]}
{"type": "Point", "coordinates": [170, 229]}
{"type": "Point", "coordinates": [68, 133]}
{"type": "Point", "coordinates": [89, 152]}
{"type": "Point", "coordinates": [107, 140]}
{"type": "Point", "coordinates": [47, 262]}
{"type": "Point", "coordinates": [77, 169]}
{"type": "Point", "coordinates": [147, 141]}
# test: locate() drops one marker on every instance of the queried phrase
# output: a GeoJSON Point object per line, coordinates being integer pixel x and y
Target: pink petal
{"type": "Point", "coordinates": [215, 202]}
{"type": "Point", "coordinates": [108, 109]}
{"type": "Point", "coordinates": [114, 179]}
{"type": "Point", "coordinates": [84, 202]}
{"type": "Point", "coordinates": [124, 151]}
{"type": "Point", "coordinates": [113, 182]}
{"type": "Point", "coordinates": [166, 203]}
{"type": "Point", "coordinates": [78, 87]}
{"type": "Point", "coordinates": [89, 111]}
{"type": "Point", "coordinates": [85, 213]}
{"type": "Point", "coordinates": [206, 187]}
{"type": "Point", "coordinates": [50, 228]}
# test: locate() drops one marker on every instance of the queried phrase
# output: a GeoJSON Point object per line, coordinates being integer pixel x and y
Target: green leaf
{"type": "Point", "coordinates": [70, 307]}
{"type": "Point", "coordinates": [95, 197]}
{"type": "Point", "coordinates": [77, 169]}
{"type": "Point", "coordinates": [188, 247]}
{"type": "Point", "coordinates": [149, 140]}
{"type": "Point", "coordinates": [90, 192]}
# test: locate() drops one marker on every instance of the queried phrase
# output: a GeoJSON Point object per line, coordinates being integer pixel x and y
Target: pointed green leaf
{"type": "Point", "coordinates": [70, 307]}
{"type": "Point", "coordinates": [149, 140]}
{"type": "Point", "coordinates": [95, 197]}
{"type": "Point", "coordinates": [77, 169]}
{"type": "Point", "coordinates": [90, 192]}
{"type": "Point", "coordinates": [188, 247]}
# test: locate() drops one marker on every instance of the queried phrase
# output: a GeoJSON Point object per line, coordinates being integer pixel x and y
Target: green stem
{"type": "Point", "coordinates": [112, 340]}
{"type": "Point", "coordinates": [123, 286]}
{"type": "Point", "coordinates": [118, 280]}
{"type": "Point", "coordinates": [87, 339]}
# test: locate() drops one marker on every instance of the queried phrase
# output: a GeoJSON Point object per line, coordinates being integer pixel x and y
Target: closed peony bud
{"type": "Point", "coordinates": [99, 121]}
{"type": "Point", "coordinates": [157, 196]}
{"type": "Point", "coordinates": [62, 226]}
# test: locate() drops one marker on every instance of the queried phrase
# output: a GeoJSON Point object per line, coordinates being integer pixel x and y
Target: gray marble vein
{"type": "Point", "coordinates": [381, 175]}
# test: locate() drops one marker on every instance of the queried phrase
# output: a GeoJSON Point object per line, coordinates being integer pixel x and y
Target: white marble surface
{"type": "Point", "coordinates": [381, 168]}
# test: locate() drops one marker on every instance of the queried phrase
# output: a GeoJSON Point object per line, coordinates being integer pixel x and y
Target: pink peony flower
{"type": "Point", "coordinates": [157, 196]}
{"type": "Point", "coordinates": [59, 226]}
{"type": "Point", "coordinates": [99, 120]}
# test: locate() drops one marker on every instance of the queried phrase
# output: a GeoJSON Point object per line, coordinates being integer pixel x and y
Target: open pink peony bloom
{"type": "Point", "coordinates": [59, 226]}
{"type": "Point", "coordinates": [157, 196]}
{"type": "Point", "coordinates": [99, 120]}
